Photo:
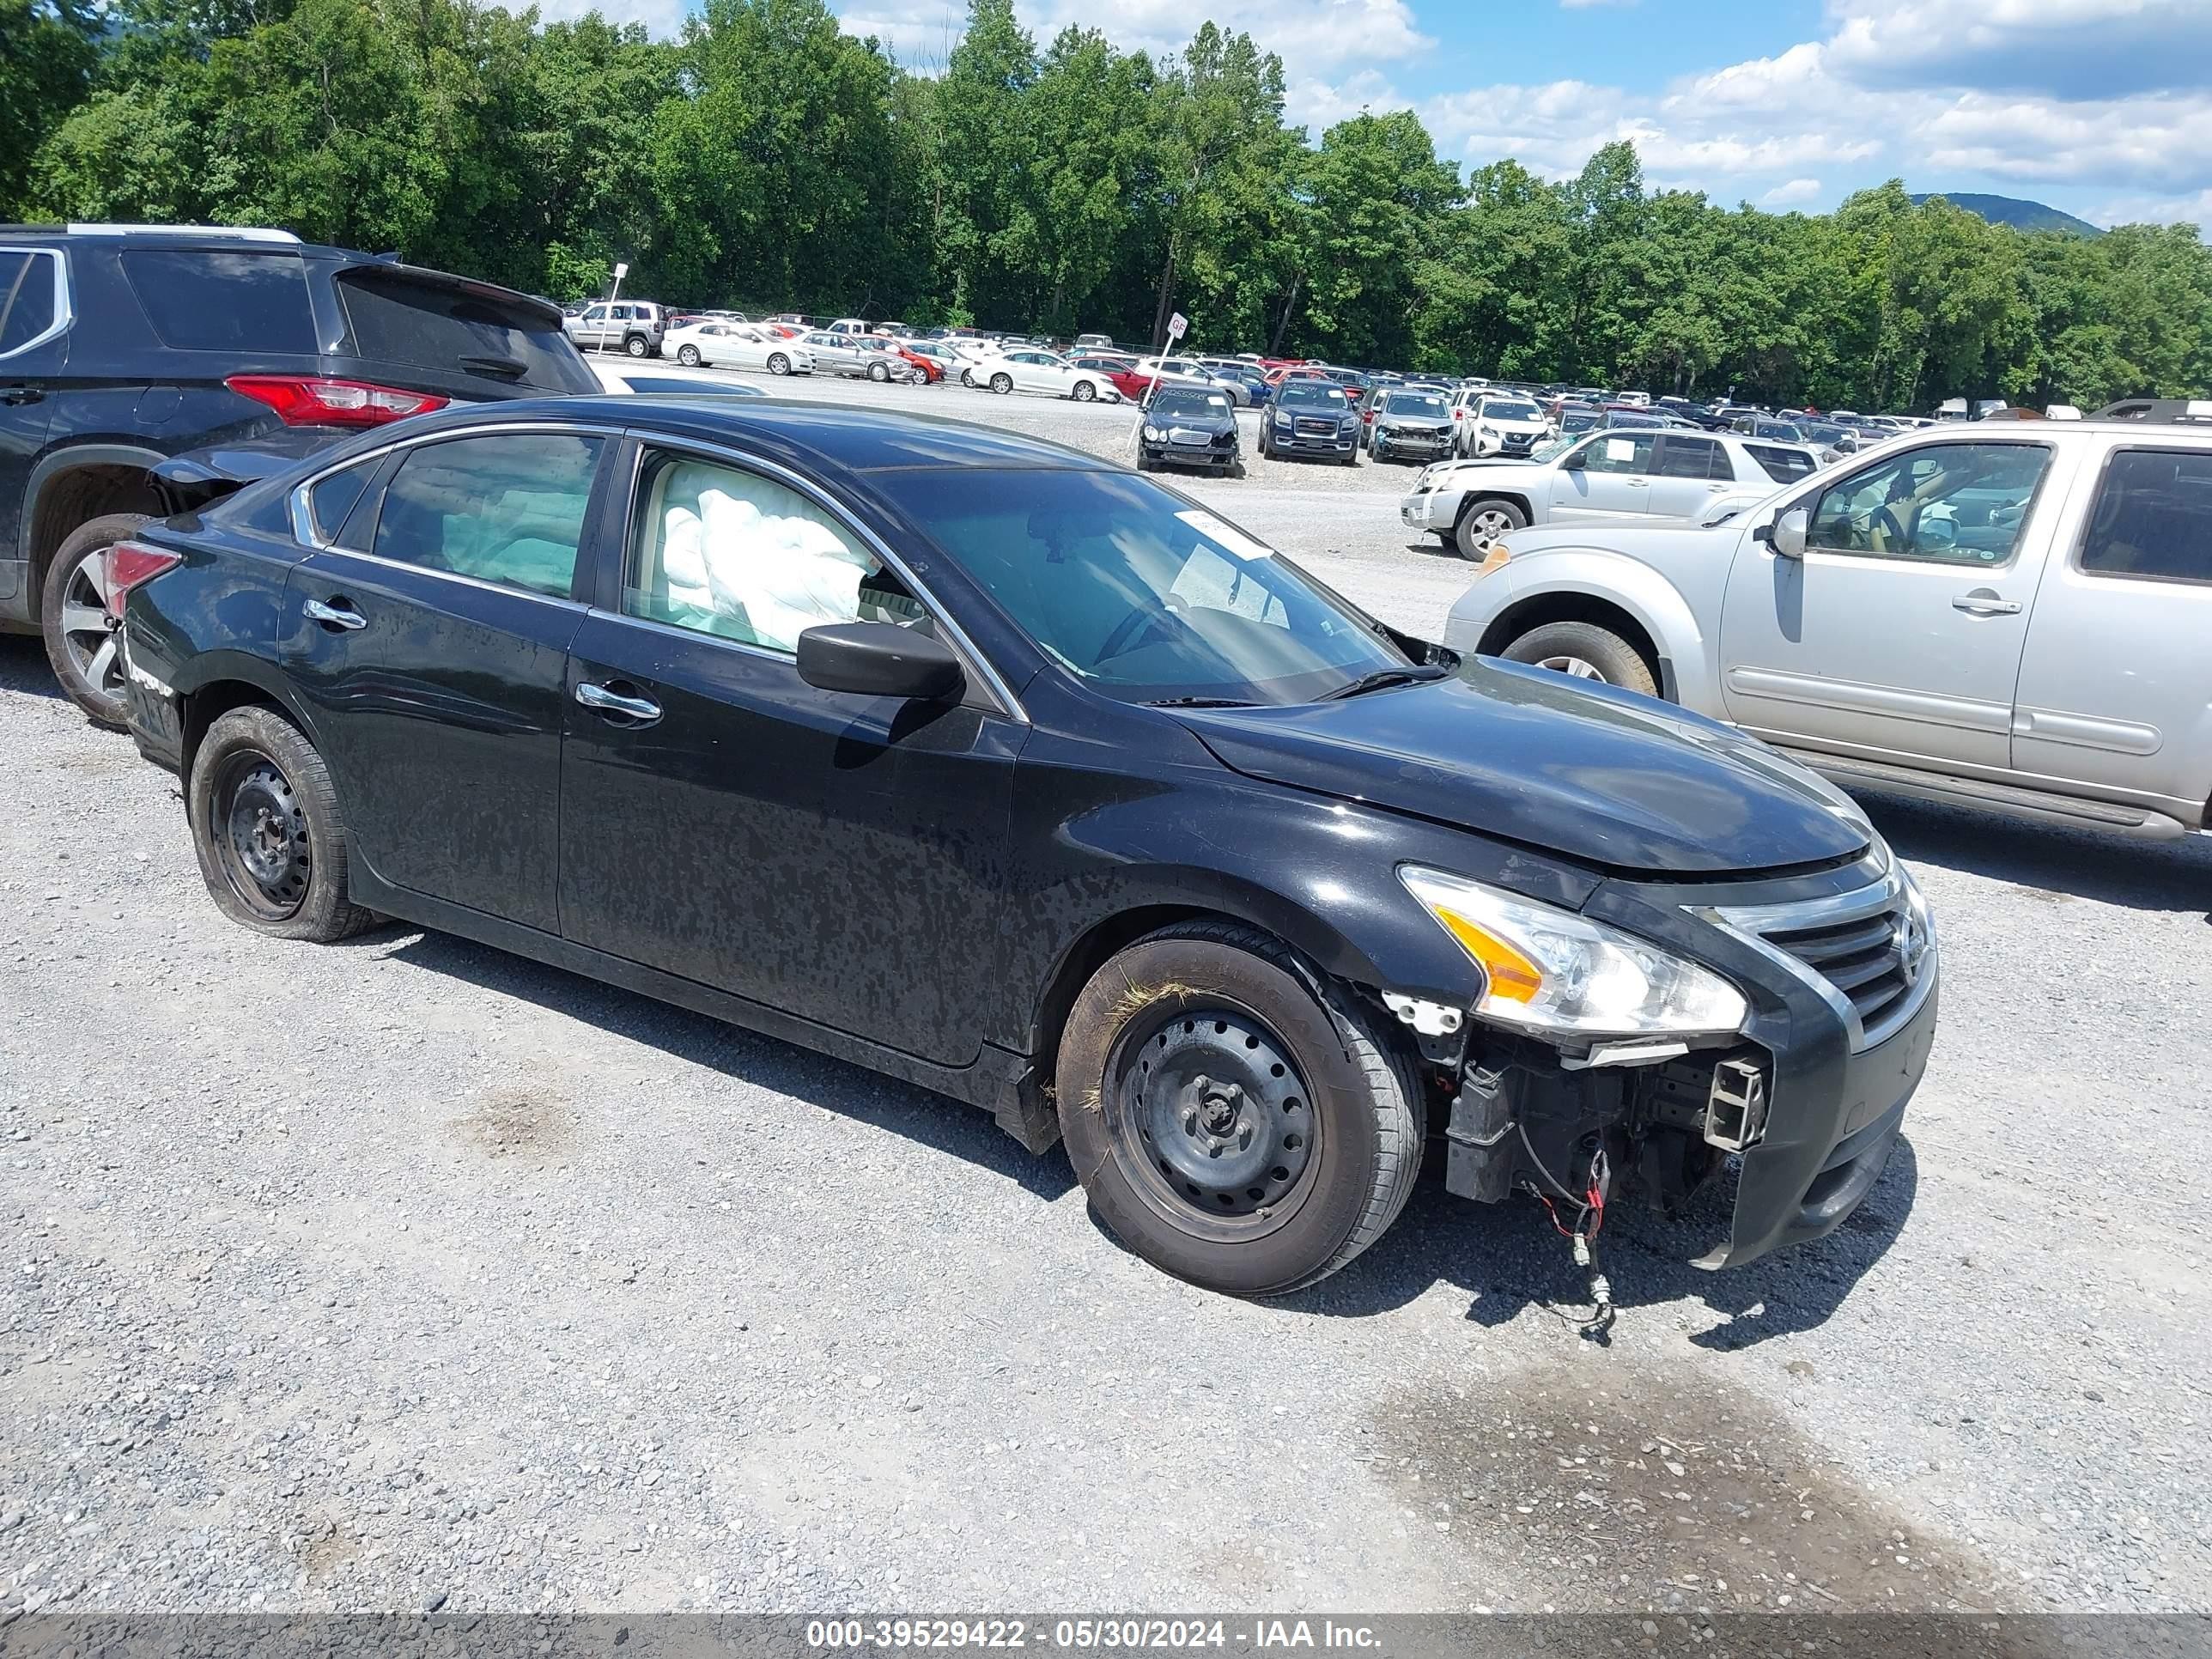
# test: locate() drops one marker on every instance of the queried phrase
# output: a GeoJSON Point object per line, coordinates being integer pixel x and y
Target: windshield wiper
{"type": "Point", "coordinates": [1381, 679]}
{"type": "Point", "coordinates": [1197, 702]}
{"type": "Point", "coordinates": [513, 367]}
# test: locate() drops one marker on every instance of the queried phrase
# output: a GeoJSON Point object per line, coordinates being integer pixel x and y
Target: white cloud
{"type": "Point", "coordinates": [1794, 193]}
{"type": "Point", "coordinates": [663, 19]}
{"type": "Point", "coordinates": [2063, 48]}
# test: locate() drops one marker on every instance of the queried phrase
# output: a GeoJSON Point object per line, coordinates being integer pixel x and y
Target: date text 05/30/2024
{"type": "Point", "coordinates": [1121, 1634]}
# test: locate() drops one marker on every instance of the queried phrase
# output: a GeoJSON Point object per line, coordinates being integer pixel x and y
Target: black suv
{"type": "Point", "coordinates": [122, 346]}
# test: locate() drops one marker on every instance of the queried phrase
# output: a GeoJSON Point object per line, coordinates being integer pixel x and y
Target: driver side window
{"type": "Point", "coordinates": [1620, 452]}
{"type": "Point", "coordinates": [721, 551]}
{"type": "Point", "coordinates": [1954, 503]}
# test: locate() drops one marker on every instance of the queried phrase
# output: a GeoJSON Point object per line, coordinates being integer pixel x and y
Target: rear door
{"type": "Point", "coordinates": [1898, 634]}
{"type": "Point", "coordinates": [1613, 477]}
{"type": "Point", "coordinates": [431, 643]}
{"type": "Point", "coordinates": [34, 346]}
{"type": "Point", "coordinates": [1690, 472]}
{"type": "Point", "coordinates": [838, 857]}
{"type": "Point", "coordinates": [2115, 693]}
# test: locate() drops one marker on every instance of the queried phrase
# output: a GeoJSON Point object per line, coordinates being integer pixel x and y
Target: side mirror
{"type": "Point", "coordinates": [1574, 462]}
{"type": "Point", "coordinates": [878, 659]}
{"type": "Point", "coordinates": [1786, 535]}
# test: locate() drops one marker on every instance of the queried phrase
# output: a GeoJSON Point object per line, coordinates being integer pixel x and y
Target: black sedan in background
{"type": "Point", "coordinates": [997, 767]}
{"type": "Point", "coordinates": [1189, 426]}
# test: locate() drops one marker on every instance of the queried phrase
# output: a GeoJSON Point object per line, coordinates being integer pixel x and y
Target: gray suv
{"type": "Point", "coordinates": [2010, 616]}
{"type": "Point", "coordinates": [633, 327]}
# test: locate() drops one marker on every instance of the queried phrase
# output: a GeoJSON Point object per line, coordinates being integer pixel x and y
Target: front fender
{"type": "Point", "coordinates": [1647, 597]}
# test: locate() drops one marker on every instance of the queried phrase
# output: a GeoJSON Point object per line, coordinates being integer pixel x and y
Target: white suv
{"type": "Point", "coordinates": [1640, 471]}
{"type": "Point", "coordinates": [1486, 423]}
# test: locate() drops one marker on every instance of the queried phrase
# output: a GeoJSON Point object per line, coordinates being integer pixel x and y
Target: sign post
{"type": "Point", "coordinates": [621, 271]}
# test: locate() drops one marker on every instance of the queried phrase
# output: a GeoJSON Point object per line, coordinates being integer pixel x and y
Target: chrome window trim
{"type": "Point", "coordinates": [1749, 924]}
{"type": "Point", "coordinates": [958, 637]}
{"type": "Point", "coordinates": [65, 312]}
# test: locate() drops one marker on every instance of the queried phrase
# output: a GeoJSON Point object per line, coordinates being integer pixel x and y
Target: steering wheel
{"type": "Point", "coordinates": [1131, 628]}
{"type": "Point", "coordinates": [1896, 524]}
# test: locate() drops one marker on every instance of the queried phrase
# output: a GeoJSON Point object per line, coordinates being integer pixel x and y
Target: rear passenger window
{"type": "Point", "coordinates": [329, 500]}
{"type": "Point", "coordinates": [27, 297]}
{"type": "Point", "coordinates": [507, 508]}
{"type": "Point", "coordinates": [722, 551]}
{"type": "Point", "coordinates": [2152, 518]}
{"type": "Point", "coordinates": [219, 300]}
{"type": "Point", "coordinates": [1783, 465]}
{"type": "Point", "coordinates": [1694, 457]}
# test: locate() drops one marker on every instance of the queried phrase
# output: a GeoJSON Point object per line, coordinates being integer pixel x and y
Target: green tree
{"type": "Point", "coordinates": [46, 63]}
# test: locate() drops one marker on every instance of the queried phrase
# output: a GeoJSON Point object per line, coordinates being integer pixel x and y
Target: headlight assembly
{"type": "Point", "coordinates": [1554, 973]}
{"type": "Point", "coordinates": [1151, 434]}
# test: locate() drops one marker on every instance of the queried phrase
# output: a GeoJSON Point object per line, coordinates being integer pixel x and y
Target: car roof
{"type": "Point", "coordinates": [824, 439]}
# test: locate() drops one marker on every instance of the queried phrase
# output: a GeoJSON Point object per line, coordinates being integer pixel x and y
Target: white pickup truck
{"type": "Point", "coordinates": [2012, 615]}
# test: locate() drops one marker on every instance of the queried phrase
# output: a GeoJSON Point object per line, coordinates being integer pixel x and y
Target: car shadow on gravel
{"type": "Point", "coordinates": [852, 1092]}
{"type": "Point", "coordinates": [2046, 862]}
{"type": "Point", "coordinates": [1510, 1260]}
{"type": "Point", "coordinates": [24, 667]}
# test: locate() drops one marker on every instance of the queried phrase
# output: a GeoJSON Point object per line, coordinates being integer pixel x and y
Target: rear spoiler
{"type": "Point", "coordinates": [548, 311]}
{"type": "Point", "coordinates": [200, 478]}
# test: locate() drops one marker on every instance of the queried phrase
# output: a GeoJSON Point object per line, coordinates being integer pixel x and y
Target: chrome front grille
{"type": "Point", "coordinates": [1865, 951]}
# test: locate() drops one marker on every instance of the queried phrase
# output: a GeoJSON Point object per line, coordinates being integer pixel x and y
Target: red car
{"type": "Point", "coordinates": [932, 370]}
{"type": "Point", "coordinates": [1121, 371]}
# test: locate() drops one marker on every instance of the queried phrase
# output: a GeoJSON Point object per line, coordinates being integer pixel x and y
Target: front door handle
{"type": "Point", "coordinates": [1983, 603]}
{"type": "Point", "coordinates": [337, 614]}
{"type": "Point", "coordinates": [15, 396]}
{"type": "Point", "coordinates": [608, 700]}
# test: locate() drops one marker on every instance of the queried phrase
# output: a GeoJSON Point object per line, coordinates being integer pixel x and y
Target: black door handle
{"type": "Point", "coordinates": [15, 395]}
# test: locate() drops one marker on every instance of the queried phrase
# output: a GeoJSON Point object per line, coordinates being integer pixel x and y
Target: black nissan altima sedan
{"type": "Point", "coordinates": [1004, 769]}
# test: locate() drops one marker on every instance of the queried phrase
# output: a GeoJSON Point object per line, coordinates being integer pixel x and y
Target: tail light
{"type": "Point", "coordinates": [126, 564]}
{"type": "Point", "coordinates": [316, 400]}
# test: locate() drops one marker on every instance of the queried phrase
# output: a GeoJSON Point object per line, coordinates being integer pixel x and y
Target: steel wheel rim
{"type": "Point", "coordinates": [1574, 667]}
{"type": "Point", "coordinates": [1213, 1122]}
{"type": "Point", "coordinates": [87, 631]}
{"type": "Point", "coordinates": [260, 831]}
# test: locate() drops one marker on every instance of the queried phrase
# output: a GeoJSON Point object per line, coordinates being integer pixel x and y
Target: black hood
{"type": "Point", "coordinates": [1600, 776]}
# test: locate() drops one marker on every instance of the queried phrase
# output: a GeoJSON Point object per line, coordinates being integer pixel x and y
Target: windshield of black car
{"type": "Point", "coordinates": [1417, 404]}
{"type": "Point", "coordinates": [1507, 409]}
{"type": "Point", "coordinates": [1138, 594]}
{"type": "Point", "coordinates": [1182, 400]}
{"type": "Point", "coordinates": [1316, 394]}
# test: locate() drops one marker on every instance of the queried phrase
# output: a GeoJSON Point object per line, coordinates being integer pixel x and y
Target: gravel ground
{"type": "Point", "coordinates": [406, 1274]}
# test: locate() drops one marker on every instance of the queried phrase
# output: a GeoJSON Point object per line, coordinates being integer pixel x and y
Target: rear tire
{"type": "Point", "coordinates": [1254, 1158]}
{"type": "Point", "coordinates": [73, 615]}
{"type": "Point", "coordinates": [1481, 522]}
{"type": "Point", "coordinates": [267, 830]}
{"type": "Point", "coordinates": [1585, 651]}
{"type": "Point", "coordinates": [1002, 384]}
{"type": "Point", "coordinates": [638, 346]}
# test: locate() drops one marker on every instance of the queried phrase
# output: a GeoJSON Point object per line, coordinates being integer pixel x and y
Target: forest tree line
{"type": "Point", "coordinates": [769, 161]}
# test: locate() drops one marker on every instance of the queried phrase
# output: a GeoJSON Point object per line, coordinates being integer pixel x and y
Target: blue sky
{"type": "Point", "coordinates": [2103, 107]}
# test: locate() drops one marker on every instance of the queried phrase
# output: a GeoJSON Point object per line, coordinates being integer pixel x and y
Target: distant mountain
{"type": "Point", "coordinates": [2011, 211]}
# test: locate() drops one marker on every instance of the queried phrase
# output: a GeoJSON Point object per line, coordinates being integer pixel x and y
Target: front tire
{"type": "Point", "coordinates": [778, 363]}
{"type": "Point", "coordinates": [1084, 392]}
{"type": "Point", "coordinates": [878, 374]}
{"type": "Point", "coordinates": [74, 616]}
{"type": "Point", "coordinates": [267, 831]}
{"type": "Point", "coordinates": [1481, 522]}
{"type": "Point", "coordinates": [1584, 651]}
{"type": "Point", "coordinates": [688, 356]}
{"type": "Point", "coordinates": [1238, 1121]}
